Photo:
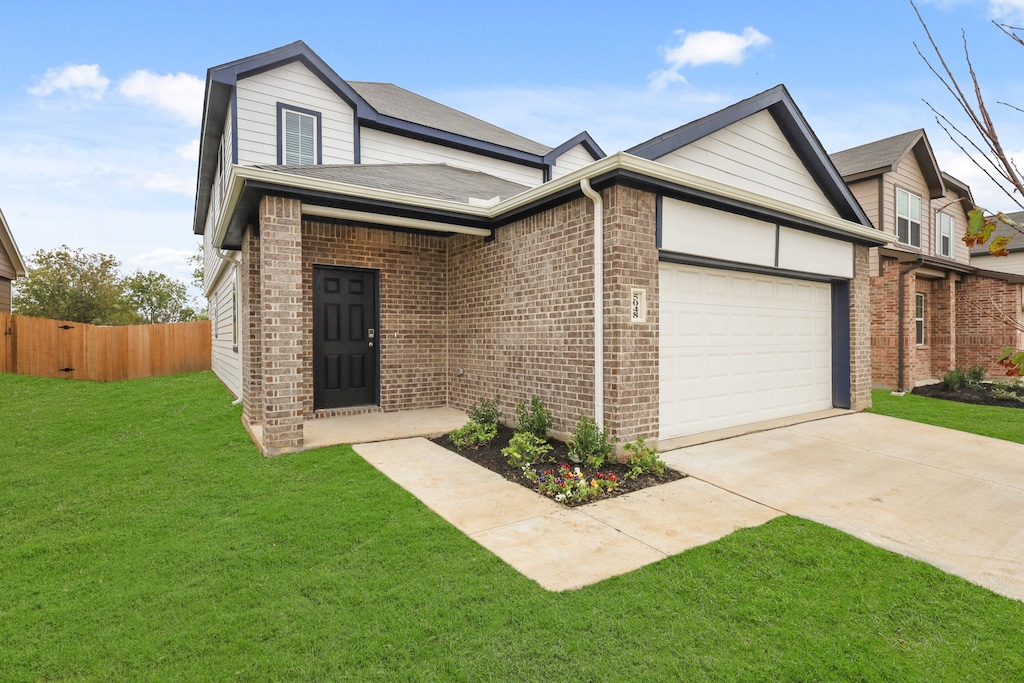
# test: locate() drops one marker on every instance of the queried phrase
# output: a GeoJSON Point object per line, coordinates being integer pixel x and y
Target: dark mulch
{"type": "Point", "coordinates": [979, 395]}
{"type": "Point", "coordinates": [490, 457]}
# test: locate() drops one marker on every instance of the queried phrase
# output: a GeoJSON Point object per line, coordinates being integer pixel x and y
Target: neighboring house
{"type": "Point", "coordinates": [12, 266]}
{"type": "Point", "coordinates": [925, 283]}
{"type": "Point", "coordinates": [371, 250]}
{"type": "Point", "coordinates": [1014, 263]}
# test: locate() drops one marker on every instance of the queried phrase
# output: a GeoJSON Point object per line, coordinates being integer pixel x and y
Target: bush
{"type": "Point", "coordinates": [589, 444]}
{"type": "Point", "coordinates": [535, 418]}
{"type": "Point", "coordinates": [643, 458]}
{"type": "Point", "coordinates": [524, 449]}
{"type": "Point", "coordinates": [486, 412]}
{"type": "Point", "coordinates": [473, 435]}
{"type": "Point", "coordinates": [958, 378]}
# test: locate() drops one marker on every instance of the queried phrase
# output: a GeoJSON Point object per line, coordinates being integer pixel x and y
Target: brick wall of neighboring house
{"type": "Point", "coordinates": [282, 331]}
{"type": "Point", "coordinates": [413, 340]}
{"type": "Point", "coordinates": [922, 355]}
{"type": "Point", "coordinates": [631, 348]}
{"type": "Point", "coordinates": [521, 314]}
{"type": "Point", "coordinates": [940, 325]}
{"type": "Point", "coordinates": [981, 336]}
{"type": "Point", "coordinates": [860, 331]}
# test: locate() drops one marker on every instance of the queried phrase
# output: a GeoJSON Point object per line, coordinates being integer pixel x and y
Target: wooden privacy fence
{"type": "Point", "coordinates": [57, 348]}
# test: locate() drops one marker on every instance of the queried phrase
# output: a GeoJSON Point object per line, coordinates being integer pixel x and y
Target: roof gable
{"type": "Point", "coordinates": [778, 103]}
{"type": "Point", "coordinates": [9, 248]}
{"type": "Point", "coordinates": [884, 156]}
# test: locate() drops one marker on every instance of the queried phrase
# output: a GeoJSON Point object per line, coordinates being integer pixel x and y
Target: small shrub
{"type": "Point", "coordinates": [975, 375]}
{"type": "Point", "coordinates": [486, 412]}
{"type": "Point", "coordinates": [568, 485]}
{"type": "Point", "coordinates": [1009, 391]}
{"type": "Point", "coordinates": [473, 435]}
{"type": "Point", "coordinates": [535, 418]}
{"type": "Point", "coordinates": [590, 445]}
{"type": "Point", "coordinates": [525, 448]}
{"type": "Point", "coordinates": [958, 378]}
{"type": "Point", "coordinates": [643, 458]}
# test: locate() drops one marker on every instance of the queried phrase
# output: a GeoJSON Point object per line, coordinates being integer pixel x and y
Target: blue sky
{"type": "Point", "coordinates": [100, 102]}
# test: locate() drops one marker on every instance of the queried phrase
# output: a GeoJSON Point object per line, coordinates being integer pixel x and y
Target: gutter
{"type": "Point", "coordinates": [595, 197]}
{"type": "Point", "coordinates": [239, 175]}
{"type": "Point", "coordinates": [901, 315]}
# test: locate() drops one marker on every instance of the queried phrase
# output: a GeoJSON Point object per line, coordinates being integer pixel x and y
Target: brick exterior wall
{"type": "Point", "coordinates": [884, 323]}
{"type": "Point", "coordinates": [631, 360]}
{"type": "Point", "coordinates": [250, 320]}
{"type": "Point", "coordinates": [412, 339]}
{"type": "Point", "coordinates": [282, 331]}
{"type": "Point", "coordinates": [860, 331]}
{"type": "Point", "coordinates": [521, 314]}
{"type": "Point", "coordinates": [981, 337]}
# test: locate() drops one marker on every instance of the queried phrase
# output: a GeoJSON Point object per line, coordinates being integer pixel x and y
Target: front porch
{"type": "Point", "coordinates": [366, 427]}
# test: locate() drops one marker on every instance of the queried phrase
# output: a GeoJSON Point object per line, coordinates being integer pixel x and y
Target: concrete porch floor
{"type": "Point", "coordinates": [369, 427]}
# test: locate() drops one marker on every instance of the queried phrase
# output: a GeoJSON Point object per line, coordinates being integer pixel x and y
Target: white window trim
{"type": "Point", "coordinates": [910, 220]}
{"type": "Point", "coordinates": [919, 331]}
{"type": "Point", "coordinates": [940, 218]}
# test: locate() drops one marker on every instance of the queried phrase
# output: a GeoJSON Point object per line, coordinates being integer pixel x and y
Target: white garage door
{"type": "Point", "coordinates": [738, 348]}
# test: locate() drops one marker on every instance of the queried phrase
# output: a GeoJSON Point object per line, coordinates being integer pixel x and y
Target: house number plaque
{"type": "Point", "coordinates": [638, 306]}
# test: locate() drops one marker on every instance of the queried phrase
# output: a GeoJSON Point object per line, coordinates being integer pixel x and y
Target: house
{"type": "Point", "coordinates": [1014, 262]}
{"type": "Point", "coordinates": [928, 300]}
{"type": "Point", "coordinates": [368, 249]}
{"type": "Point", "coordinates": [12, 266]}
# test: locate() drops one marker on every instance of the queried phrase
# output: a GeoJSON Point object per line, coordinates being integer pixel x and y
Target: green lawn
{"type": "Point", "coordinates": [142, 537]}
{"type": "Point", "coordinates": [1001, 423]}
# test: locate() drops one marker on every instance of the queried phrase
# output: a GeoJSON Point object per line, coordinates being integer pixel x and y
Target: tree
{"type": "Point", "coordinates": [157, 298]}
{"type": "Point", "coordinates": [989, 156]}
{"type": "Point", "coordinates": [69, 284]}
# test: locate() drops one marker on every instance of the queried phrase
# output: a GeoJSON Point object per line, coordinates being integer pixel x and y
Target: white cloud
{"type": "Point", "coordinates": [167, 182]}
{"type": "Point", "coordinates": [1007, 10]}
{"type": "Point", "coordinates": [171, 261]}
{"type": "Point", "coordinates": [189, 151]}
{"type": "Point", "coordinates": [705, 47]}
{"type": "Point", "coordinates": [82, 80]}
{"type": "Point", "coordinates": [180, 94]}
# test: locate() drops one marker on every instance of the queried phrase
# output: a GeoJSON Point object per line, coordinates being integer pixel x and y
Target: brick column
{"type": "Point", "coordinates": [250, 328]}
{"type": "Point", "coordinates": [282, 323]}
{"type": "Point", "coordinates": [861, 288]}
{"type": "Point", "coordinates": [943, 325]}
{"type": "Point", "coordinates": [631, 363]}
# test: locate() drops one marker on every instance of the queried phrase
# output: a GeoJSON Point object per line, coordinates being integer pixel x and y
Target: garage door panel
{"type": "Point", "coordinates": [740, 347]}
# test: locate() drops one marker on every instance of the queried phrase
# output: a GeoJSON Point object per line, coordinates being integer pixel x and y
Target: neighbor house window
{"type": "Point", "coordinates": [298, 136]}
{"type": "Point", "coordinates": [944, 234]}
{"type": "Point", "coordinates": [919, 319]}
{"type": "Point", "coordinates": [908, 218]}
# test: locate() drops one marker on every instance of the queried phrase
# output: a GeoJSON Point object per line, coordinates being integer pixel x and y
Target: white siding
{"type": "Point", "coordinates": [378, 147]}
{"type": "Point", "coordinates": [294, 84]}
{"type": "Point", "coordinates": [226, 356]}
{"type": "Point", "coordinates": [802, 251]}
{"type": "Point", "coordinates": [754, 155]}
{"type": "Point", "coordinates": [572, 159]}
{"type": "Point", "coordinates": [693, 229]}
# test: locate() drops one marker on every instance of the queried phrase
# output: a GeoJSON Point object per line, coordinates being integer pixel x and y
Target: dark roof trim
{"type": "Point", "coordinates": [794, 126]}
{"type": "Point", "coordinates": [732, 205]}
{"type": "Point", "coordinates": [584, 138]}
{"type": "Point", "coordinates": [931, 261]}
{"type": "Point", "coordinates": [1012, 278]}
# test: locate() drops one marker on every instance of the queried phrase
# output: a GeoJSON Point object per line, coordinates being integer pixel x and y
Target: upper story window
{"type": "Point", "coordinates": [298, 136]}
{"type": "Point", "coordinates": [944, 226]}
{"type": "Point", "coordinates": [908, 218]}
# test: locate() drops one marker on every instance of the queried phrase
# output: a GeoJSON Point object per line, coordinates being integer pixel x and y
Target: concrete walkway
{"type": "Point", "coordinates": [531, 533]}
{"type": "Point", "coordinates": [951, 499]}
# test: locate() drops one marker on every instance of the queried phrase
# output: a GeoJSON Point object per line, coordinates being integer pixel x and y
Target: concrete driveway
{"type": "Point", "coordinates": [951, 499]}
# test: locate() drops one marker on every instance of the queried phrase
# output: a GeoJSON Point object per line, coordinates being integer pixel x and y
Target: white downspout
{"type": "Point", "coordinates": [598, 300]}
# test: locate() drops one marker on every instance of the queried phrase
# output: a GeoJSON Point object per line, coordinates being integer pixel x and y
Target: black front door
{"type": "Point", "coordinates": [345, 338]}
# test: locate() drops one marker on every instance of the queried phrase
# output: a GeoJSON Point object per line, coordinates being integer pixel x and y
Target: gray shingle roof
{"type": "Point", "coordinates": [880, 154]}
{"type": "Point", "coordinates": [399, 103]}
{"type": "Point", "coordinates": [436, 181]}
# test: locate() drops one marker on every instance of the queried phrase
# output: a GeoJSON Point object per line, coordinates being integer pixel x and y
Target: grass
{"type": "Point", "coordinates": [997, 422]}
{"type": "Point", "coordinates": [143, 538]}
